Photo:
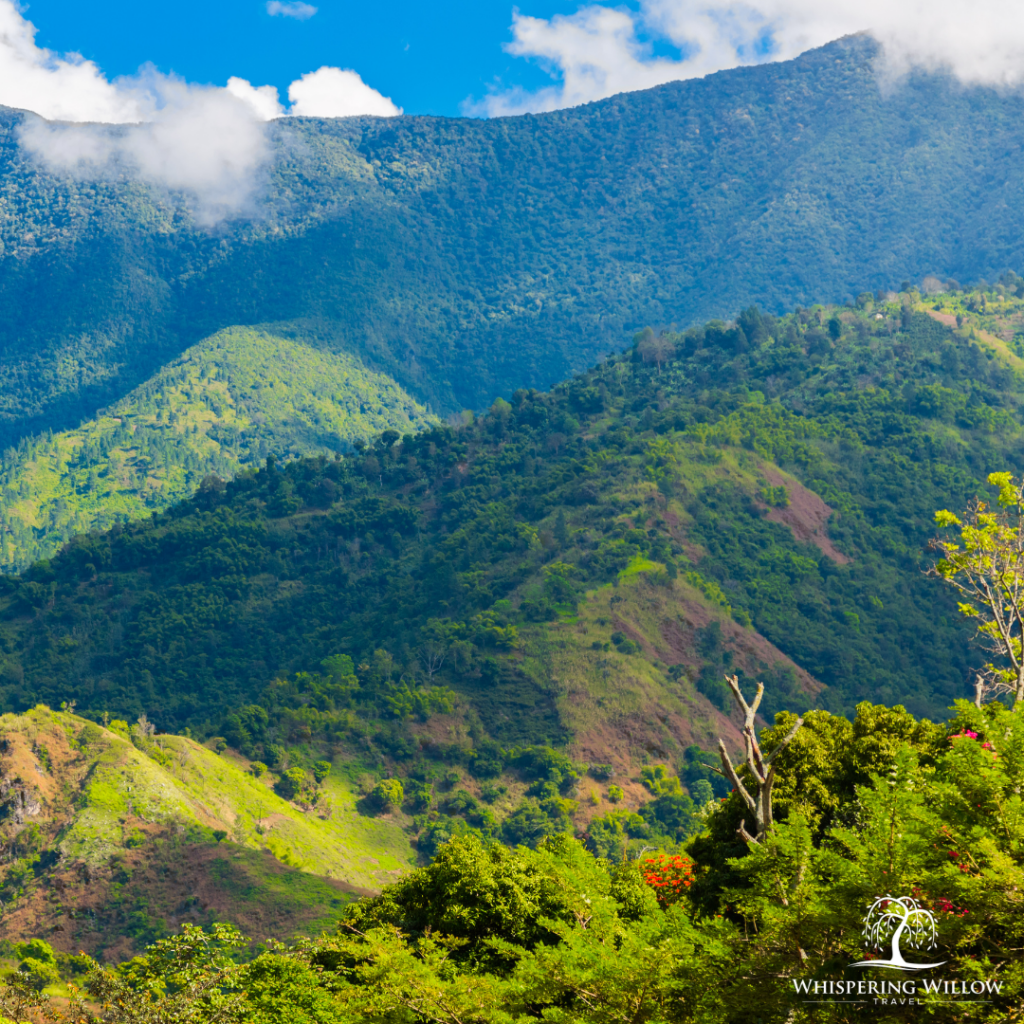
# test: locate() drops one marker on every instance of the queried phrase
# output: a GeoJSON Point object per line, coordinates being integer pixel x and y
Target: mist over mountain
{"type": "Point", "coordinates": [469, 257]}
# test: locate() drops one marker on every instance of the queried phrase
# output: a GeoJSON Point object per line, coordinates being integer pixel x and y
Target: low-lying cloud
{"type": "Point", "coordinates": [207, 142]}
{"type": "Point", "coordinates": [599, 51]}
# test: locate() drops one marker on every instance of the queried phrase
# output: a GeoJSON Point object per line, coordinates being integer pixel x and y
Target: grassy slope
{"type": "Point", "coordinates": [144, 813]}
{"type": "Point", "coordinates": [223, 405]}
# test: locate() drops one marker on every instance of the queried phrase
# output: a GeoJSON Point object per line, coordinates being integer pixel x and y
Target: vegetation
{"type": "Point", "coordinates": [450, 618]}
{"type": "Point", "coordinates": [987, 567]}
{"type": "Point", "coordinates": [477, 619]}
{"type": "Point", "coordinates": [468, 257]}
{"type": "Point", "coordinates": [225, 404]}
{"type": "Point", "coordinates": [112, 836]}
{"type": "Point", "coordinates": [612, 535]}
{"type": "Point", "coordinates": [728, 933]}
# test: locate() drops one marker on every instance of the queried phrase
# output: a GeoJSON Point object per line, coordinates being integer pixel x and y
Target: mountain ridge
{"type": "Point", "coordinates": [223, 405]}
{"type": "Point", "coordinates": [468, 258]}
{"type": "Point", "coordinates": [781, 472]}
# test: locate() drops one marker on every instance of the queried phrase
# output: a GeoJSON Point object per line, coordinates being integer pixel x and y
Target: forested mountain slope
{"type": "Point", "coordinates": [224, 404]}
{"type": "Point", "coordinates": [467, 258]}
{"type": "Point", "coordinates": [756, 497]}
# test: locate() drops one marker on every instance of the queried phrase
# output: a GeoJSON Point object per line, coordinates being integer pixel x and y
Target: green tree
{"type": "Point", "coordinates": [37, 968]}
{"type": "Point", "coordinates": [388, 793]}
{"type": "Point", "coordinates": [986, 566]}
{"type": "Point", "coordinates": [291, 783]}
{"type": "Point", "coordinates": [657, 780]}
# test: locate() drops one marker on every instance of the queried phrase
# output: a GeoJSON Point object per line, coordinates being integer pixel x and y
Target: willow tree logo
{"type": "Point", "coordinates": [897, 919]}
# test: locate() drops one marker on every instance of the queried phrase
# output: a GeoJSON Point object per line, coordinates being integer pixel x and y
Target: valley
{"type": "Point", "coordinates": [508, 618]}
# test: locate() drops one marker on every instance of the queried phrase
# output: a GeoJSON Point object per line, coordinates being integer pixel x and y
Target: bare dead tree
{"type": "Point", "coordinates": [432, 656]}
{"type": "Point", "coordinates": [656, 350]}
{"type": "Point", "coordinates": [760, 766]}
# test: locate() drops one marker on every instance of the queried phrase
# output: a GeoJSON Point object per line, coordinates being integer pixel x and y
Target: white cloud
{"type": "Point", "coordinates": [333, 92]}
{"type": "Point", "coordinates": [204, 141]}
{"type": "Point", "coordinates": [597, 51]}
{"type": "Point", "coordinates": [207, 142]}
{"type": "Point", "coordinates": [60, 88]}
{"type": "Point", "coordinates": [263, 99]}
{"type": "Point", "coordinates": [296, 9]}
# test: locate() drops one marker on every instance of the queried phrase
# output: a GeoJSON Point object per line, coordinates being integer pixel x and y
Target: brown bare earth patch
{"type": "Point", "coordinates": [944, 318]}
{"type": "Point", "coordinates": [158, 888]}
{"type": "Point", "coordinates": [752, 652]}
{"type": "Point", "coordinates": [657, 732]}
{"type": "Point", "coordinates": [625, 717]}
{"type": "Point", "coordinates": [807, 515]}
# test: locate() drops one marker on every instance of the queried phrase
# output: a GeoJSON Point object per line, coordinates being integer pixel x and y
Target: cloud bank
{"type": "Point", "coordinates": [599, 51]}
{"type": "Point", "coordinates": [205, 141]}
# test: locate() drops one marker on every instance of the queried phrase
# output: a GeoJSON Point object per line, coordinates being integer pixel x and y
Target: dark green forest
{"type": "Point", "coordinates": [468, 258]}
{"type": "Point", "coordinates": [469, 557]}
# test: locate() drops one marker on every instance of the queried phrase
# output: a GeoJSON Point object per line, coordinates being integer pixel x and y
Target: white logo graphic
{"type": "Point", "coordinates": [901, 919]}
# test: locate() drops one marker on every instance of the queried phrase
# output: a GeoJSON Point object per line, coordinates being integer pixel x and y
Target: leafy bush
{"type": "Point", "coordinates": [38, 974]}
{"type": "Point", "coordinates": [388, 793]}
{"type": "Point", "coordinates": [291, 783]}
{"type": "Point", "coordinates": [657, 780]}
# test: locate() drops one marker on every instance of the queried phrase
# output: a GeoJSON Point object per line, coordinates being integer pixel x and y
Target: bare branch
{"type": "Point", "coordinates": [731, 774]}
{"type": "Point", "coordinates": [761, 769]}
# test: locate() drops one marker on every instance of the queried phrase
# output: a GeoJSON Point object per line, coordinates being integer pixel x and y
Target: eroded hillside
{"type": "Point", "coordinates": [114, 836]}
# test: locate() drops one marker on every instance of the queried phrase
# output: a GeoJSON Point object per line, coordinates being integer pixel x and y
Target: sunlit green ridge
{"type": "Point", "coordinates": [225, 404]}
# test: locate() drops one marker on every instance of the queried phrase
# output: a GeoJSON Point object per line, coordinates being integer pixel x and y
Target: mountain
{"type": "Point", "coordinates": [223, 405]}
{"type": "Point", "coordinates": [754, 498]}
{"type": "Point", "coordinates": [115, 837]}
{"type": "Point", "coordinates": [516, 627]}
{"type": "Point", "coordinates": [467, 258]}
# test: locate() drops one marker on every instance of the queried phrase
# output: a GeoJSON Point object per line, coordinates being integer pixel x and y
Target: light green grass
{"type": "Point", "coordinates": [173, 780]}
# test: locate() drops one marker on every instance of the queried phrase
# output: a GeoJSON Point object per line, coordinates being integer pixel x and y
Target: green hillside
{"type": "Point", "coordinates": [115, 836]}
{"type": "Point", "coordinates": [224, 404]}
{"type": "Point", "coordinates": [467, 258]}
{"type": "Point", "coordinates": [568, 552]}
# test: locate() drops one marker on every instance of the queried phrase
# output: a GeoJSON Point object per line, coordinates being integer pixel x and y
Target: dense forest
{"type": "Point", "coordinates": [706, 464]}
{"type": "Point", "coordinates": [468, 258]}
{"type": "Point", "coordinates": [721, 934]}
{"type": "Point", "coordinates": [463, 645]}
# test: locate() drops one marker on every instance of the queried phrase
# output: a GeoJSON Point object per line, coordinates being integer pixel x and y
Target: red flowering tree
{"type": "Point", "coordinates": [668, 876]}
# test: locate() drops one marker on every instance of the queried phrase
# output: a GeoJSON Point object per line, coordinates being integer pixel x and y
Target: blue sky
{"type": "Point", "coordinates": [450, 57]}
{"type": "Point", "coordinates": [427, 56]}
